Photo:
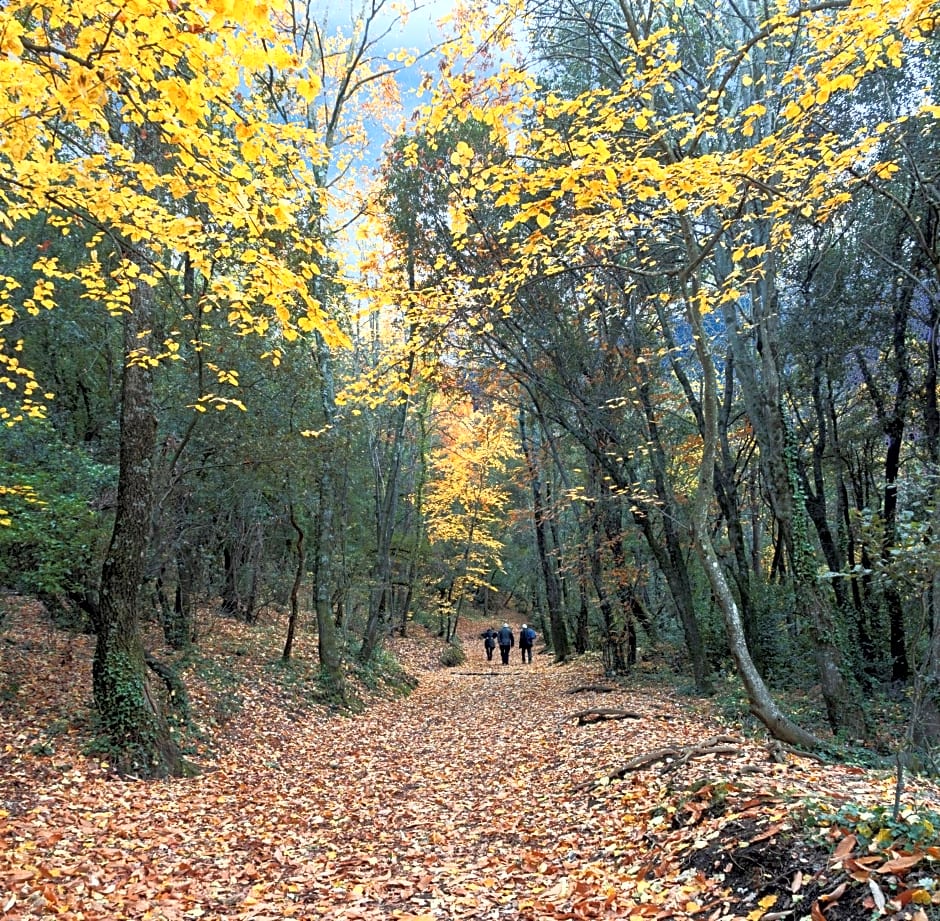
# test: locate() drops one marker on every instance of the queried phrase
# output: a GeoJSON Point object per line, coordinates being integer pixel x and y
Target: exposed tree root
{"type": "Point", "coordinates": [593, 688]}
{"type": "Point", "coordinates": [673, 758]}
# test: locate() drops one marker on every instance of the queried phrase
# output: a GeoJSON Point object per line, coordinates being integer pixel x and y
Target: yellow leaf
{"type": "Point", "coordinates": [308, 89]}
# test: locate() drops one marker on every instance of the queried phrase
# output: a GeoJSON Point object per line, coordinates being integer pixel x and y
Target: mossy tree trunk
{"type": "Point", "coordinates": [130, 712]}
{"type": "Point", "coordinates": [762, 703]}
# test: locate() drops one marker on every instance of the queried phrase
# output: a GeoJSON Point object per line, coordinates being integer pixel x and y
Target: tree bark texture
{"type": "Point", "coordinates": [130, 712]}
{"type": "Point", "coordinates": [763, 400]}
{"type": "Point", "coordinates": [763, 706]}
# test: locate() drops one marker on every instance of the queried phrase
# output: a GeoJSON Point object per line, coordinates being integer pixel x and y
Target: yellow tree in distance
{"type": "Point", "coordinates": [469, 493]}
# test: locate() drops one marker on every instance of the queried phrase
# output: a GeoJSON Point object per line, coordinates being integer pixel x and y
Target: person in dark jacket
{"type": "Point", "coordinates": [526, 641]}
{"type": "Point", "coordinates": [506, 641]}
{"type": "Point", "coordinates": [489, 642]}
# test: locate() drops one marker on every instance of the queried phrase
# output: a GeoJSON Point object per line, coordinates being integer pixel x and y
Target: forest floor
{"type": "Point", "coordinates": [481, 795]}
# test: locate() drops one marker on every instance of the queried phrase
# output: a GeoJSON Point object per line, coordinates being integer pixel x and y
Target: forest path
{"type": "Point", "coordinates": [453, 802]}
{"type": "Point", "coordinates": [457, 801]}
{"type": "Point", "coordinates": [469, 799]}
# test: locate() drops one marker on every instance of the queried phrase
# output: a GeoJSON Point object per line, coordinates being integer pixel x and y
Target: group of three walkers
{"type": "Point", "coordinates": [505, 640]}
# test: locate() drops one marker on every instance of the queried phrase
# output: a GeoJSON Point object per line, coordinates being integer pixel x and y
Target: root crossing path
{"type": "Point", "coordinates": [470, 798]}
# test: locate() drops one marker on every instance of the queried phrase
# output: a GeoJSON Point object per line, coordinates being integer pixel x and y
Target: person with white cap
{"type": "Point", "coordinates": [506, 641]}
{"type": "Point", "coordinates": [526, 640]}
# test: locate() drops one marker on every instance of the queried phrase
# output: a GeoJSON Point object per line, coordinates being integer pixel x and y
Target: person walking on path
{"type": "Point", "coordinates": [506, 641]}
{"type": "Point", "coordinates": [489, 642]}
{"type": "Point", "coordinates": [526, 641]}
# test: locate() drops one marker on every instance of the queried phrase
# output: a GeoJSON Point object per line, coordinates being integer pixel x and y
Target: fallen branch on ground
{"type": "Point", "coordinates": [588, 717]}
{"type": "Point", "coordinates": [674, 757]}
{"type": "Point", "coordinates": [595, 688]}
{"type": "Point", "coordinates": [484, 674]}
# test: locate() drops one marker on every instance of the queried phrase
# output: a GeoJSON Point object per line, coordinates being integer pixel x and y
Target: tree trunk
{"type": "Point", "coordinates": [300, 568]}
{"type": "Point", "coordinates": [763, 399]}
{"type": "Point", "coordinates": [130, 712]}
{"type": "Point", "coordinates": [925, 711]}
{"type": "Point", "coordinates": [582, 637]}
{"type": "Point", "coordinates": [673, 561]}
{"type": "Point", "coordinates": [763, 706]}
{"type": "Point", "coordinates": [559, 632]}
{"type": "Point", "coordinates": [926, 719]}
{"type": "Point", "coordinates": [331, 661]}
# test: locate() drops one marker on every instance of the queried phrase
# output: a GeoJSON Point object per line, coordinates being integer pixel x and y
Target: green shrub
{"type": "Point", "coordinates": [877, 828]}
{"type": "Point", "coordinates": [51, 536]}
{"type": "Point", "coordinates": [453, 654]}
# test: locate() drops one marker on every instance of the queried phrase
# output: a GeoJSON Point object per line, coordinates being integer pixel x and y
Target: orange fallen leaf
{"type": "Point", "coordinates": [845, 847]}
{"type": "Point", "coordinates": [900, 863]}
{"type": "Point", "coordinates": [834, 895]}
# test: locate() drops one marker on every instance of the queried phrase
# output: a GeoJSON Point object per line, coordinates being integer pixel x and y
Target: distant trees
{"type": "Point", "coordinates": [637, 248]}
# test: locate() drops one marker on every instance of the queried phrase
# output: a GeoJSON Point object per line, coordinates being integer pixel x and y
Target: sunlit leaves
{"type": "Point", "coordinates": [138, 120]}
{"type": "Point", "coordinates": [467, 498]}
{"type": "Point", "coordinates": [667, 183]}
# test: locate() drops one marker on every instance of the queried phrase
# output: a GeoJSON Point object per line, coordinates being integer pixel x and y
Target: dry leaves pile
{"type": "Point", "coordinates": [471, 798]}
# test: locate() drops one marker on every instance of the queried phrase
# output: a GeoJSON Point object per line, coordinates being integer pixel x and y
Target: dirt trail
{"type": "Point", "coordinates": [459, 801]}
{"type": "Point", "coordinates": [453, 802]}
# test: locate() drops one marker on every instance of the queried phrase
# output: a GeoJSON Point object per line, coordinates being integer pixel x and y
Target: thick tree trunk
{"type": "Point", "coordinates": [762, 397]}
{"type": "Point", "coordinates": [130, 712]}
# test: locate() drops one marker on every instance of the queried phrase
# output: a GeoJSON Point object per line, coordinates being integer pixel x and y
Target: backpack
{"type": "Point", "coordinates": [530, 635]}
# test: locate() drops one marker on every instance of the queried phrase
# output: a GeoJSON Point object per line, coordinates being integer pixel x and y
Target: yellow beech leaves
{"type": "Point", "coordinates": [135, 127]}
{"type": "Point", "coordinates": [468, 495]}
{"type": "Point", "coordinates": [689, 168]}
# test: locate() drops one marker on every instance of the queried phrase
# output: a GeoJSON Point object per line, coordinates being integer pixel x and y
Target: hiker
{"type": "Point", "coordinates": [506, 641]}
{"type": "Point", "coordinates": [489, 642]}
{"type": "Point", "coordinates": [526, 641]}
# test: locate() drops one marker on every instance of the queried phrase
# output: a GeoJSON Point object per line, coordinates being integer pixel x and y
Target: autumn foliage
{"type": "Point", "coordinates": [632, 335]}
